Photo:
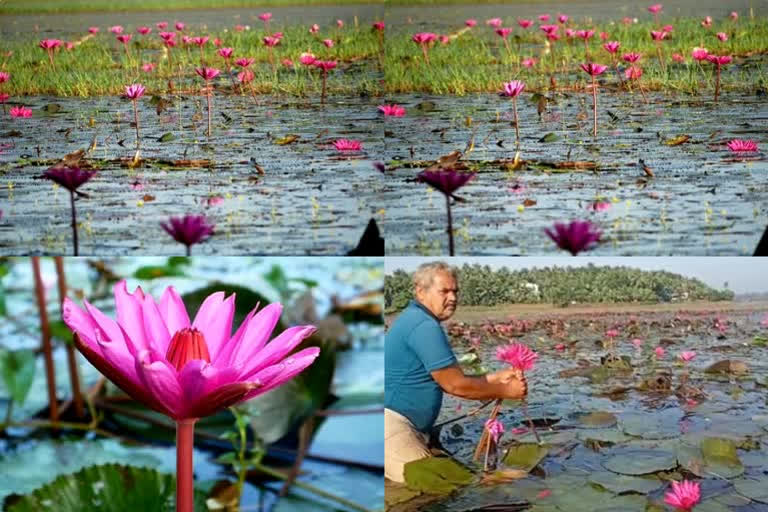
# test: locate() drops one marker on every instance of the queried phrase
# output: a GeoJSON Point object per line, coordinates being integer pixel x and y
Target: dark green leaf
{"type": "Point", "coordinates": [59, 330]}
{"type": "Point", "coordinates": [166, 137]}
{"type": "Point", "coordinates": [18, 371]}
{"type": "Point", "coordinates": [436, 475]}
{"type": "Point", "coordinates": [550, 137]}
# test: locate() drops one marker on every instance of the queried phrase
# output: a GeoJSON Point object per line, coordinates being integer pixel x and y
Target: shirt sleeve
{"type": "Point", "coordinates": [429, 343]}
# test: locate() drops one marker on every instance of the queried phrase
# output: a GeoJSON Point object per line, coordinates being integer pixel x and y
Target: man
{"type": "Point", "coordinates": [419, 365]}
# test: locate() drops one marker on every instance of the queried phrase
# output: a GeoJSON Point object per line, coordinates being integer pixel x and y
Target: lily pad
{"type": "Point", "coordinates": [436, 475]}
{"type": "Point", "coordinates": [525, 456]}
{"type": "Point", "coordinates": [625, 483]}
{"type": "Point", "coordinates": [755, 488]}
{"type": "Point", "coordinates": [640, 462]}
{"type": "Point", "coordinates": [603, 435]}
{"type": "Point", "coordinates": [713, 456]}
{"type": "Point", "coordinates": [658, 425]}
{"type": "Point", "coordinates": [599, 419]}
{"type": "Point", "coordinates": [105, 488]}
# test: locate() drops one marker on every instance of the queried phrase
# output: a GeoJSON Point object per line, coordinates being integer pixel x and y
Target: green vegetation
{"type": "Point", "coordinates": [99, 65]}
{"type": "Point", "coordinates": [482, 286]}
{"type": "Point", "coordinates": [73, 6]}
{"type": "Point", "coordinates": [476, 60]}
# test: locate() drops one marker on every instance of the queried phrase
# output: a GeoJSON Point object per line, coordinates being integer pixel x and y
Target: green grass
{"type": "Point", "coordinates": [74, 6]}
{"type": "Point", "coordinates": [477, 61]}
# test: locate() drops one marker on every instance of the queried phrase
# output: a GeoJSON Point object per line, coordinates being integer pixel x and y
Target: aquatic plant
{"type": "Point", "coordinates": [594, 70]}
{"type": "Point", "coordinates": [20, 111]}
{"type": "Point", "coordinates": [683, 495]}
{"type": "Point", "coordinates": [187, 370]}
{"type": "Point", "coordinates": [512, 90]}
{"type": "Point", "coordinates": [719, 61]}
{"type": "Point", "coordinates": [134, 92]}
{"type": "Point", "coordinates": [71, 178]}
{"type": "Point", "coordinates": [742, 146]}
{"type": "Point", "coordinates": [347, 145]}
{"type": "Point", "coordinates": [208, 74]}
{"type": "Point", "coordinates": [446, 181]}
{"type": "Point", "coordinates": [575, 237]}
{"type": "Point", "coordinates": [188, 230]}
{"type": "Point", "coordinates": [423, 39]}
{"type": "Point", "coordinates": [392, 110]}
{"type": "Point", "coordinates": [324, 66]}
{"type": "Point", "coordinates": [49, 45]}
{"type": "Point", "coordinates": [655, 9]}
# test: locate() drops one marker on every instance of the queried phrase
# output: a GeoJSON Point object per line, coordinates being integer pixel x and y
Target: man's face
{"type": "Point", "coordinates": [442, 297]}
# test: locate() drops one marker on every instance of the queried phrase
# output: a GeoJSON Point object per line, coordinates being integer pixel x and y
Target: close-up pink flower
{"type": "Point", "coordinates": [347, 145]}
{"type": "Point", "coordinates": [392, 110]}
{"type": "Point", "coordinates": [518, 356]}
{"type": "Point", "coordinates": [742, 146]}
{"type": "Point", "coordinates": [683, 495]}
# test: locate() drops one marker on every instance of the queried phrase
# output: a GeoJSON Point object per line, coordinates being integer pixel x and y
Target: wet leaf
{"type": "Point", "coordinates": [753, 487]}
{"type": "Point", "coordinates": [728, 366]}
{"type": "Point", "coordinates": [398, 493]}
{"type": "Point", "coordinates": [599, 419]}
{"type": "Point", "coordinates": [18, 371]}
{"type": "Point", "coordinates": [288, 139]}
{"type": "Point", "coordinates": [525, 456]}
{"type": "Point", "coordinates": [653, 425]}
{"type": "Point", "coordinates": [426, 106]}
{"type": "Point", "coordinates": [720, 457]}
{"type": "Point", "coordinates": [529, 202]}
{"type": "Point", "coordinates": [550, 137]}
{"type": "Point", "coordinates": [676, 141]}
{"type": "Point", "coordinates": [106, 488]}
{"type": "Point", "coordinates": [52, 108]}
{"type": "Point", "coordinates": [640, 461]}
{"type": "Point", "coordinates": [166, 137]}
{"type": "Point", "coordinates": [436, 475]}
{"type": "Point", "coordinates": [625, 483]}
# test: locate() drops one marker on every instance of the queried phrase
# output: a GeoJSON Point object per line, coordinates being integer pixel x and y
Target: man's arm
{"type": "Point", "coordinates": [453, 381]}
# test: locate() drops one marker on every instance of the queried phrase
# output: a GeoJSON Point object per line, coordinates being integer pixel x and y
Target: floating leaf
{"type": "Point", "coordinates": [105, 488]}
{"type": "Point", "coordinates": [436, 475]}
{"type": "Point", "coordinates": [625, 483]}
{"type": "Point", "coordinates": [166, 137]}
{"type": "Point", "coordinates": [720, 457]}
{"type": "Point", "coordinates": [755, 487]}
{"type": "Point", "coordinates": [550, 137]}
{"type": "Point", "coordinates": [599, 419]}
{"type": "Point", "coordinates": [282, 141]}
{"type": "Point", "coordinates": [426, 106]}
{"type": "Point", "coordinates": [728, 366]}
{"type": "Point", "coordinates": [52, 108]}
{"type": "Point", "coordinates": [398, 493]}
{"type": "Point", "coordinates": [525, 456]}
{"type": "Point", "coordinates": [640, 461]}
{"type": "Point", "coordinates": [18, 371]}
{"type": "Point", "coordinates": [655, 425]}
{"type": "Point", "coordinates": [676, 141]}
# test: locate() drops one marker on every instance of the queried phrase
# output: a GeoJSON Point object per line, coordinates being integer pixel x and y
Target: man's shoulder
{"type": "Point", "coordinates": [413, 317]}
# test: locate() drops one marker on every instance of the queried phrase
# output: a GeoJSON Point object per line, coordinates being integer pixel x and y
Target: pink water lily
{"type": "Point", "coordinates": [517, 355]}
{"type": "Point", "coordinates": [187, 369]}
{"type": "Point", "coordinates": [524, 23]}
{"type": "Point", "coordinates": [513, 89]}
{"type": "Point", "coordinates": [659, 351]}
{"type": "Point", "coordinates": [392, 110]}
{"type": "Point", "coordinates": [594, 70]}
{"type": "Point", "coordinates": [471, 22]}
{"type": "Point", "coordinates": [699, 54]}
{"type": "Point", "coordinates": [575, 237]}
{"type": "Point", "coordinates": [687, 355]}
{"type": "Point", "coordinates": [683, 495]}
{"type": "Point", "coordinates": [347, 145]}
{"type": "Point", "coordinates": [742, 146]}
{"type": "Point", "coordinates": [495, 429]}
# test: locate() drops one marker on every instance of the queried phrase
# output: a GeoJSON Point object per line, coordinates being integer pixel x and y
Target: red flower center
{"type": "Point", "coordinates": [186, 345]}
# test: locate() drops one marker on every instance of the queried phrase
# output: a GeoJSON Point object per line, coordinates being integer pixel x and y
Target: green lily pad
{"type": "Point", "coordinates": [599, 419]}
{"type": "Point", "coordinates": [658, 425]}
{"type": "Point", "coordinates": [436, 475]}
{"type": "Point", "coordinates": [755, 488]}
{"type": "Point", "coordinates": [640, 462]}
{"type": "Point", "coordinates": [713, 456]}
{"type": "Point", "coordinates": [625, 483]}
{"type": "Point", "coordinates": [603, 435]}
{"type": "Point", "coordinates": [550, 137]}
{"type": "Point", "coordinates": [166, 137]}
{"type": "Point", "coordinates": [398, 493]}
{"type": "Point", "coordinates": [525, 456]}
{"type": "Point", "coordinates": [105, 488]}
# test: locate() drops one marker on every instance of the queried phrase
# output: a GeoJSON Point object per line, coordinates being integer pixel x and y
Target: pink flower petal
{"type": "Point", "coordinates": [154, 327]}
{"type": "Point", "coordinates": [256, 334]}
{"type": "Point", "coordinates": [160, 379]}
{"type": "Point", "coordinates": [173, 311]}
{"type": "Point", "coordinates": [214, 320]}
{"type": "Point", "coordinates": [81, 323]}
{"type": "Point", "coordinates": [297, 364]}
{"type": "Point", "coordinates": [198, 378]}
{"type": "Point", "coordinates": [276, 349]}
{"type": "Point", "coordinates": [129, 314]}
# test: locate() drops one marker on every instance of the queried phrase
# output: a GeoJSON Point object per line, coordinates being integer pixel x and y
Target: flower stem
{"type": "Point", "coordinates": [594, 104]}
{"type": "Point", "coordinates": [136, 120]}
{"type": "Point", "coordinates": [74, 223]}
{"type": "Point", "coordinates": [517, 130]}
{"type": "Point", "coordinates": [322, 95]}
{"type": "Point", "coordinates": [530, 422]}
{"type": "Point", "coordinates": [424, 51]}
{"type": "Point", "coordinates": [185, 485]}
{"type": "Point", "coordinates": [210, 100]}
{"type": "Point", "coordinates": [450, 225]}
{"type": "Point", "coordinates": [717, 84]}
{"type": "Point", "coordinates": [45, 331]}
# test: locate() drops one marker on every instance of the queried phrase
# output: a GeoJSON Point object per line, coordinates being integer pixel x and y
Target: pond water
{"type": "Point", "coordinates": [702, 201]}
{"type": "Point", "coordinates": [594, 419]}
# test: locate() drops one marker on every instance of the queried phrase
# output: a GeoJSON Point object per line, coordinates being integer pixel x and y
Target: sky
{"type": "Point", "coordinates": [744, 275]}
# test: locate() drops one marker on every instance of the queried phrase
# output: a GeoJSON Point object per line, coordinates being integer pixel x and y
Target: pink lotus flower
{"type": "Point", "coordinates": [188, 230]}
{"type": "Point", "coordinates": [314, 29]}
{"type": "Point", "coordinates": [720, 60]}
{"type": "Point", "coordinates": [325, 65]}
{"type": "Point", "coordinates": [143, 30]}
{"type": "Point", "coordinates": [4, 97]}
{"type": "Point", "coordinates": [134, 92]}
{"type": "Point", "coordinates": [631, 57]}
{"type": "Point", "coordinates": [187, 370]}
{"type": "Point", "coordinates": [668, 28]}
{"type": "Point", "coordinates": [444, 39]}
{"type": "Point", "coordinates": [328, 43]}
{"type": "Point", "coordinates": [424, 37]}
{"type": "Point", "coordinates": [117, 29]}
{"type": "Point", "coordinates": [200, 40]}
{"type": "Point", "coordinates": [513, 89]}
{"type": "Point", "coordinates": [707, 22]}
{"type": "Point", "coordinates": [339, 23]}
{"type": "Point", "coordinates": [574, 237]}
{"type": "Point", "coordinates": [585, 34]}
{"type": "Point", "coordinates": [658, 35]}
{"type": "Point", "coordinates": [288, 63]}
{"type": "Point", "coordinates": [70, 178]}
{"type": "Point", "coordinates": [599, 206]}
{"type": "Point", "coordinates": [722, 36]}
{"type": "Point", "coordinates": [684, 495]}
{"type": "Point", "coordinates": [392, 110]}
{"type": "Point", "coordinates": [529, 62]}
{"type": "Point", "coordinates": [214, 201]}
{"type": "Point", "coordinates": [687, 355]}
{"type": "Point", "coordinates": [307, 59]}
{"type": "Point", "coordinates": [494, 22]}
{"type": "Point", "coordinates": [517, 355]}
{"type": "Point", "coordinates": [593, 69]}
{"type": "Point", "coordinates": [124, 38]}
{"type": "Point", "coordinates": [93, 30]}
{"type": "Point", "coordinates": [678, 58]}
{"type": "Point", "coordinates": [543, 18]}
{"type": "Point", "coordinates": [637, 342]}
{"type": "Point", "coordinates": [524, 23]}
{"type": "Point", "coordinates": [161, 25]}
{"type": "Point", "coordinates": [265, 16]}
{"type": "Point", "coordinates": [50, 44]}
{"type": "Point", "coordinates": [504, 32]}
{"type": "Point", "coordinates": [471, 22]}
{"type": "Point", "coordinates": [633, 73]}
{"type": "Point", "coordinates": [348, 145]}
{"type": "Point", "coordinates": [225, 53]}
{"type": "Point", "coordinates": [167, 36]}
{"type": "Point", "coordinates": [378, 25]}
{"type": "Point", "coordinates": [270, 41]}
{"type": "Point", "coordinates": [207, 74]}
{"type": "Point", "coordinates": [655, 8]}
{"type": "Point", "coordinates": [742, 146]}
{"type": "Point", "coordinates": [612, 47]}
{"type": "Point", "coordinates": [560, 347]}
{"type": "Point", "coordinates": [495, 429]}
{"type": "Point", "coordinates": [245, 76]}
{"type": "Point", "coordinates": [4, 77]}
{"type": "Point", "coordinates": [20, 112]}
{"type": "Point", "coordinates": [549, 29]}
{"type": "Point", "coordinates": [612, 333]}
{"type": "Point", "coordinates": [519, 430]}
{"type": "Point", "coordinates": [699, 54]}
{"type": "Point", "coordinates": [562, 18]}
{"type": "Point", "coordinates": [445, 181]}
{"type": "Point", "coordinates": [179, 26]}
{"type": "Point", "coordinates": [244, 62]}
{"type": "Point", "coordinates": [659, 351]}
{"type": "Point", "coordinates": [186, 39]}
{"type": "Point", "coordinates": [734, 15]}
{"type": "Point", "coordinates": [764, 321]}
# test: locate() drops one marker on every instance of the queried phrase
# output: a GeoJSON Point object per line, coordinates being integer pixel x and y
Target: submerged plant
{"type": "Point", "coordinates": [71, 178]}
{"type": "Point", "coordinates": [447, 182]}
{"type": "Point", "coordinates": [187, 370]}
{"type": "Point", "coordinates": [594, 70]}
{"type": "Point", "coordinates": [188, 230]}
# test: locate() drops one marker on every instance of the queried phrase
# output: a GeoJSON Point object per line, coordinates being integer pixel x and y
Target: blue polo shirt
{"type": "Point", "coordinates": [415, 345]}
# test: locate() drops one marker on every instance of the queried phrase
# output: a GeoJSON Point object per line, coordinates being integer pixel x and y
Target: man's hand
{"type": "Point", "coordinates": [504, 376]}
{"type": "Point", "coordinates": [515, 389]}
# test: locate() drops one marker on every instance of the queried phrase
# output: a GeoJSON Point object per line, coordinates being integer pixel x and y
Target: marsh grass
{"type": "Point", "coordinates": [97, 66]}
{"type": "Point", "coordinates": [477, 61]}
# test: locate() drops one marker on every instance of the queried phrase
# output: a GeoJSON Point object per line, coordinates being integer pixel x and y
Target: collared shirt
{"type": "Point", "coordinates": [415, 346]}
